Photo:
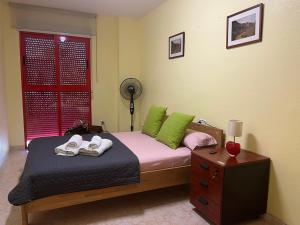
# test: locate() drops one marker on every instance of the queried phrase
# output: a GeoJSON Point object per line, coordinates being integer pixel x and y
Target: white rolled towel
{"type": "Point", "coordinates": [66, 151]}
{"type": "Point", "coordinates": [105, 144]}
{"type": "Point", "coordinates": [74, 142]}
{"type": "Point", "coordinates": [95, 142]}
{"type": "Point", "coordinates": [84, 146]}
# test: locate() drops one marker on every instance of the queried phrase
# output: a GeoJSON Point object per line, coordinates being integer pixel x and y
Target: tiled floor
{"type": "Point", "coordinates": [163, 207]}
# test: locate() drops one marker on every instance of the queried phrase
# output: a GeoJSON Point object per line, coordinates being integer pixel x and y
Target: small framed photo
{"type": "Point", "coordinates": [245, 27]}
{"type": "Point", "coordinates": [176, 45]}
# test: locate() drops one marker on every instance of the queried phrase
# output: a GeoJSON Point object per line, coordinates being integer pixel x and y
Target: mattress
{"type": "Point", "coordinates": [153, 155]}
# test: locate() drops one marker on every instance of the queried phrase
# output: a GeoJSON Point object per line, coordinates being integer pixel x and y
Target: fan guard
{"type": "Point", "coordinates": [131, 89]}
{"type": "Point", "coordinates": [126, 86]}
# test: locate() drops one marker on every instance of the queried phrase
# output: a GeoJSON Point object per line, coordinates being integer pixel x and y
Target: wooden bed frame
{"type": "Point", "coordinates": [148, 181]}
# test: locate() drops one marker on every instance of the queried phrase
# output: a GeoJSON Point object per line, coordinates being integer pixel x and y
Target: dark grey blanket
{"type": "Point", "coordinates": [47, 174]}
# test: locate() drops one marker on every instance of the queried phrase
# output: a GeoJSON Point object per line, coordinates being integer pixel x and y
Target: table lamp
{"type": "Point", "coordinates": [235, 130]}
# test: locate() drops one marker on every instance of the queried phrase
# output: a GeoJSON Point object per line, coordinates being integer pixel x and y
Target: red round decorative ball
{"type": "Point", "coordinates": [233, 148]}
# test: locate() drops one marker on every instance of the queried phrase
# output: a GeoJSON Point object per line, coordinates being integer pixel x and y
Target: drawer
{"type": "Point", "coordinates": [207, 188]}
{"type": "Point", "coordinates": [206, 206]}
{"type": "Point", "coordinates": [206, 169]}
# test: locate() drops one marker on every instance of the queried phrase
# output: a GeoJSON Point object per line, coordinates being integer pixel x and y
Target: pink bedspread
{"type": "Point", "coordinates": [152, 154]}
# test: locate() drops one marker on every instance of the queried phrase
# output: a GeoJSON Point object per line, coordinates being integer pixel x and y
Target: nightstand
{"type": "Point", "coordinates": [227, 190]}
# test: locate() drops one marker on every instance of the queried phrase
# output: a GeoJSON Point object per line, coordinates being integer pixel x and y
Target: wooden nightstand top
{"type": "Point", "coordinates": [223, 159]}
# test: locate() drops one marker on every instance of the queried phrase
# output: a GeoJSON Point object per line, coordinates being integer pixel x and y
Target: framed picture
{"type": "Point", "coordinates": [176, 45]}
{"type": "Point", "coordinates": [245, 27]}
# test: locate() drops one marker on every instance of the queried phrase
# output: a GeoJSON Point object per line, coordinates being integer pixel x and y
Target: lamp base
{"type": "Point", "coordinates": [233, 148]}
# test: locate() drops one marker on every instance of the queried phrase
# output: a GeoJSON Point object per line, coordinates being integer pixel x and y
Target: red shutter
{"type": "Point", "coordinates": [41, 113]}
{"type": "Point", "coordinates": [56, 83]}
{"type": "Point", "coordinates": [39, 60]}
{"type": "Point", "coordinates": [75, 105]}
{"type": "Point", "coordinates": [73, 61]}
{"type": "Point", "coordinates": [75, 84]}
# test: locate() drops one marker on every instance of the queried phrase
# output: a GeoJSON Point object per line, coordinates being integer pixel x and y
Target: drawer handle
{"type": "Point", "coordinates": [203, 201]}
{"type": "Point", "coordinates": [203, 183]}
{"type": "Point", "coordinates": [204, 166]}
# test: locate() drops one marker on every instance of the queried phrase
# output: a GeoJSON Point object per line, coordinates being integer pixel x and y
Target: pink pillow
{"type": "Point", "coordinates": [198, 139]}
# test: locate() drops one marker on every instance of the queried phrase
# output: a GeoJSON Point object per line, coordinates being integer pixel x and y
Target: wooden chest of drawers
{"type": "Point", "coordinates": [227, 190]}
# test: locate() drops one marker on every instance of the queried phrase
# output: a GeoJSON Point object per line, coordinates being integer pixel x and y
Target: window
{"type": "Point", "coordinates": [56, 83]}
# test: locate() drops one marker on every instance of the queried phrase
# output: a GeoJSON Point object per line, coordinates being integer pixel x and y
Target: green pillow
{"type": "Point", "coordinates": [173, 129]}
{"type": "Point", "coordinates": [155, 118]}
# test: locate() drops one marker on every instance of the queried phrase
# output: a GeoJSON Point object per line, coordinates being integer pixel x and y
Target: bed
{"type": "Point", "coordinates": [166, 169]}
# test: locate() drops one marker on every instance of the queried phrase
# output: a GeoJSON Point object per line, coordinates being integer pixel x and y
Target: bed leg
{"type": "Point", "coordinates": [24, 215]}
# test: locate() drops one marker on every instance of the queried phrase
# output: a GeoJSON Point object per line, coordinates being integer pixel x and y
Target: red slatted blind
{"type": "Point", "coordinates": [72, 61]}
{"type": "Point", "coordinates": [75, 105]}
{"type": "Point", "coordinates": [40, 61]}
{"type": "Point", "coordinates": [56, 83]}
{"type": "Point", "coordinates": [41, 114]}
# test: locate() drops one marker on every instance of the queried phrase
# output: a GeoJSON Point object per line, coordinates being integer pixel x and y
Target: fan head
{"type": "Point", "coordinates": [131, 87]}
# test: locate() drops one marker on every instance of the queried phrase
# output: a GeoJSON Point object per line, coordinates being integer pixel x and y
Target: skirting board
{"type": "Point", "coordinates": [270, 219]}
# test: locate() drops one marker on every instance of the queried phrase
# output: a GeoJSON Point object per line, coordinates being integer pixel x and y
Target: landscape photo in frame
{"type": "Point", "coordinates": [245, 27]}
{"type": "Point", "coordinates": [176, 45]}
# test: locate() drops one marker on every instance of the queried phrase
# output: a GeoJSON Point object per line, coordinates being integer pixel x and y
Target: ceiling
{"type": "Point", "coordinates": [130, 8]}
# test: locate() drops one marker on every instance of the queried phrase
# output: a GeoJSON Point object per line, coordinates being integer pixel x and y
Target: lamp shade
{"type": "Point", "coordinates": [235, 128]}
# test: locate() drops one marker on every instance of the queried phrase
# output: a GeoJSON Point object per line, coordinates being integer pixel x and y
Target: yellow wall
{"type": "Point", "coordinates": [129, 66]}
{"type": "Point", "coordinates": [108, 70]}
{"type": "Point", "coordinates": [104, 85]}
{"type": "Point", "coordinates": [13, 82]}
{"type": "Point", "coordinates": [258, 84]}
{"type": "Point", "coordinates": [3, 122]}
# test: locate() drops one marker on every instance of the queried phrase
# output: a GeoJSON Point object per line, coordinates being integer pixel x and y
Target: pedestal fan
{"type": "Point", "coordinates": [131, 89]}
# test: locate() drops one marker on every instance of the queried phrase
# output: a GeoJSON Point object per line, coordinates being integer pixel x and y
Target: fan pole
{"type": "Point", "coordinates": [131, 126]}
{"type": "Point", "coordinates": [131, 107]}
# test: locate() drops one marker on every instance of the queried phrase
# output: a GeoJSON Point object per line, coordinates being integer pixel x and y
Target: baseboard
{"type": "Point", "coordinates": [270, 219]}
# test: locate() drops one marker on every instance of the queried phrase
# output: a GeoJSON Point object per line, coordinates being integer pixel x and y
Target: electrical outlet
{"type": "Point", "coordinates": [102, 122]}
{"type": "Point", "coordinates": [202, 121]}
